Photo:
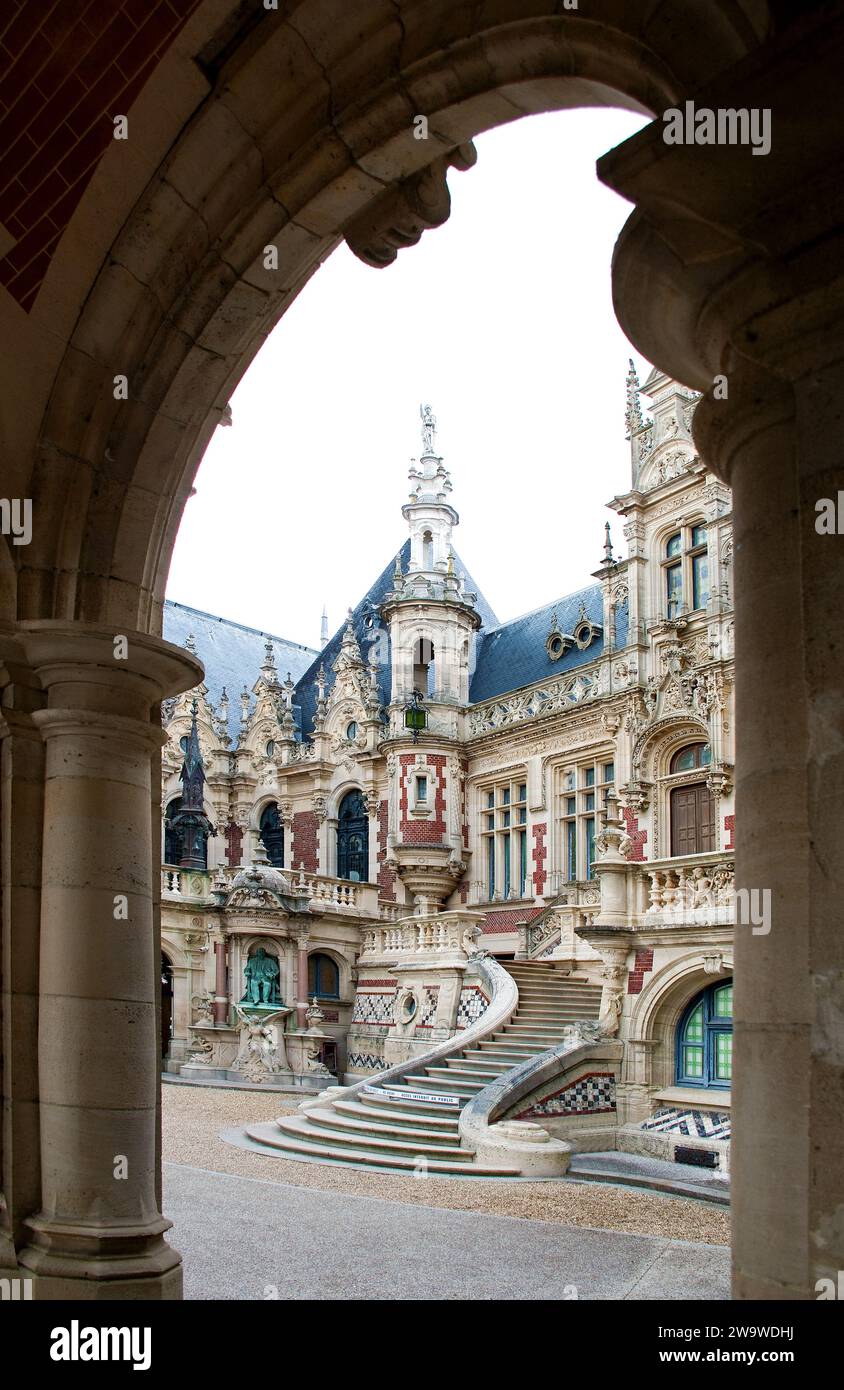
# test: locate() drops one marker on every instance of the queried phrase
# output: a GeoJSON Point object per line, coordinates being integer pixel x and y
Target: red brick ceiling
{"type": "Point", "coordinates": [67, 68]}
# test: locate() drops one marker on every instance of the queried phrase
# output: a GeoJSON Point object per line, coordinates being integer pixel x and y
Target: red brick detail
{"type": "Point", "coordinates": [730, 825]}
{"type": "Point", "coordinates": [66, 69]}
{"type": "Point", "coordinates": [364, 985]}
{"type": "Point", "coordinates": [639, 837]}
{"type": "Point", "coordinates": [305, 842]}
{"type": "Point", "coordinates": [511, 920]}
{"type": "Point", "coordinates": [386, 877]}
{"type": "Point", "coordinates": [234, 844]}
{"type": "Point", "coordinates": [464, 893]}
{"type": "Point", "coordinates": [428, 830]}
{"type": "Point", "coordinates": [644, 961]}
{"type": "Point", "coordinates": [539, 854]}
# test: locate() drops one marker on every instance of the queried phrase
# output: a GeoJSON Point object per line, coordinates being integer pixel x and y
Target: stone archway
{"type": "Point", "coordinates": [290, 132]}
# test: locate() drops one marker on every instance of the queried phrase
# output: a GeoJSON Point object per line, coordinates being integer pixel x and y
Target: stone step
{"type": "Point", "coordinates": [425, 1109]}
{"type": "Point", "coordinates": [546, 1037]}
{"type": "Point", "coordinates": [400, 1113]}
{"type": "Point", "coordinates": [290, 1144]}
{"type": "Point", "coordinates": [473, 1066]}
{"type": "Point", "coordinates": [454, 1076]}
{"type": "Point", "coordinates": [453, 1086]}
{"type": "Point", "coordinates": [561, 1015]}
{"type": "Point", "coordinates": [418, 1140]}
{"type": "Point", "coordinates": [322, 1127]}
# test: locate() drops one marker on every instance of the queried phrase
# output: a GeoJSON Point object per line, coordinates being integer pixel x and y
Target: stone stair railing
{"type": "Point", "coordinates": [486, 1133]}
{"type": "Point", "coordinates": [503, 995]}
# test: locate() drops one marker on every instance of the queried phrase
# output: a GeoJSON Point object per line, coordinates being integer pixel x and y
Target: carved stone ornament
{"type": "Point", "coordinates": [399, 216]}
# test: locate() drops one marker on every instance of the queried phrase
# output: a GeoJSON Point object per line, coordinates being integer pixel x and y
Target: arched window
{"type": "Point", "coordinates": [271, 833]}
{"type": "Point", "coordinates": [705, 1039]}
{"type": "Point", "coordinates": [427, 550]}
{"type": "Point", "coordinates": [424, 668]}
{"type": "Point", "coordinates": [353, 839]}
{"type": "Point", "coordinates": [692, 805]}
{"type": "Point", "coordinates": [172, 838]}
{"type": "Point", "coordinates": [323, 976]}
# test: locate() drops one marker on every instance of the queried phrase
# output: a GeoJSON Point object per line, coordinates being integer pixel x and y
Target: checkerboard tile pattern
{"type": "Point", "coordinates": [472, 1005]}
{"type": "Point", "coordinates": [592, 1094]}
{"type": "Point", "coordinates": [374, 1008]}
{"type": "Point", "coordinates": [696, 1124]}
{"type": "Point", "coordinates": [428, 1011]}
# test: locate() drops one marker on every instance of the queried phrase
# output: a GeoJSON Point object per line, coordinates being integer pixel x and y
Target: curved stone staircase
{"type": "Point", "coordinates": [412, 1122]}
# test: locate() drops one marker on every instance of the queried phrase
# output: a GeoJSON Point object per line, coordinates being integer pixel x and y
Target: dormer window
{"type": "Point", "coordinates": [270, 748]}
{"type": "Point", "coordinates": [351, 731]}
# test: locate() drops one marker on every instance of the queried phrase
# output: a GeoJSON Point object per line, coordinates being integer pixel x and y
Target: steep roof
{"type": "Point", "coordinates": [367, 627]}
{"type": "Point", "coordinates": [514, 654]}
{"type": "Point", "coordinates": [231, 653]}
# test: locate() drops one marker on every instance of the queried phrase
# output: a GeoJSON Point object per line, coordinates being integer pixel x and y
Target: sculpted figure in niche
{"type": "Point", "coordinates": [262, 976]}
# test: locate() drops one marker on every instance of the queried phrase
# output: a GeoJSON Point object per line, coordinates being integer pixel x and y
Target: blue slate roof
{"type": "Point", "coordinates": [367, 634]}
{"type": "Point", "coordinates": [231, 654]}
{"type": "Point", "coordinates": [514, 654]}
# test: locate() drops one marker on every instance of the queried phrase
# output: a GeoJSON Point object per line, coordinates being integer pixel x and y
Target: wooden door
{"type": "Point", "coordinates": [692, 820]}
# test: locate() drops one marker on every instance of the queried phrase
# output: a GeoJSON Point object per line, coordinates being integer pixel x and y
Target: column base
{"type": "Point", "coordinates": [70, 1260]}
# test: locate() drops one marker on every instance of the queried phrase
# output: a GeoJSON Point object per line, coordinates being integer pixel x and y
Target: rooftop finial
{"type": "Point", "coordinates": [323, 627]}
{"type": "Point", "coordinates": [429, 431]}
{"type": "Point", "coordinates": [608, 555]}
{"type": "Point", "coordinates": [633, 414]}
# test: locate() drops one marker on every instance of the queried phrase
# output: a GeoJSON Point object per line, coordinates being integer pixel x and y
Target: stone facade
{"type": "Point", "coordinates": [506, 808]}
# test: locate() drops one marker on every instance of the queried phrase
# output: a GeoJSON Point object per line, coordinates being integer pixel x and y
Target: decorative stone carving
{"type": "Point", "coordinates": [399, 216]}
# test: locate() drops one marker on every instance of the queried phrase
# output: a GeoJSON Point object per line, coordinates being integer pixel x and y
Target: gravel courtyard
{"type": "Point", "coordinates": [193, 1117]}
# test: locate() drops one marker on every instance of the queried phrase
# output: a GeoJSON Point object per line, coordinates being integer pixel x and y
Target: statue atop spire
{"type": "Point", "coordinates": [429, 431]}
{"type": "Point", "coordinates": [633, 414]}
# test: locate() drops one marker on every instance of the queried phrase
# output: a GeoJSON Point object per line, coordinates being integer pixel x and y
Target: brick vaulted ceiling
{"type": "Point", "coordinates": [67, 68]}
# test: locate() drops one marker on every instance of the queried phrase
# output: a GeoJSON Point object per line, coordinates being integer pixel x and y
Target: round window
{"type": "Point", "coordinates": [351, 730]}
{"type": "Point", "coordinates": [270, 749]}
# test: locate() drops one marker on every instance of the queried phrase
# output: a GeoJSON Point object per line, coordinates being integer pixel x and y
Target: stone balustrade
{"type": "Point", "coordinates": [327, 894]}
{"type": "Point", "coordinates": [435, 938]}
{"type": "Point", "coordinates": [694, 889]}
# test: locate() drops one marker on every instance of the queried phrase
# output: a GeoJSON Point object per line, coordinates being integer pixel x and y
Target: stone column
{"type": "Point", "coordinates": [302, 980]}
{"type": "Point", "coordinates": [99, 1232]}
{"type": "Point", "coordinates": [779, 447]}
{"type": "Point", "coordinates": [21, 815]}
{"type": "Point", "coordinates": [221, 992]}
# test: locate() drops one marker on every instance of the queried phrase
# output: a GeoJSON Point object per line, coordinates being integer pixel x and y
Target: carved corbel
{"type": "Point", "coordinates": [399, 216]}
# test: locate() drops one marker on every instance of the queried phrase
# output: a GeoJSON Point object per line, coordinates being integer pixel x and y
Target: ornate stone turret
{"type": "Point", "coordinates": [190, 822]}
{"type": "Point", "coordinates": [432, 621]}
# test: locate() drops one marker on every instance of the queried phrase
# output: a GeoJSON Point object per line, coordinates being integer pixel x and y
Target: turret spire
{"type": "Point", "coordinates": [633, 414]}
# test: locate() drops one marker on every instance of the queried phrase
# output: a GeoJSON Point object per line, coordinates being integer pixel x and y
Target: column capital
{"type": "Point", "coordinates": [105, 669]}
{"type": "Point", "coordinates": [730, 250]}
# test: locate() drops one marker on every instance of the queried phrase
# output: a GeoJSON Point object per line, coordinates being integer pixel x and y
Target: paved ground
{"type": "Point", "coordinates": [247, 1238]}
{"type": "Point", "coordinates": [194, 1117]}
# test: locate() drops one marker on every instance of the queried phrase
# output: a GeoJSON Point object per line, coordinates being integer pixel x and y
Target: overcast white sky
{"type": "Point", "coordinates": [502, 319]}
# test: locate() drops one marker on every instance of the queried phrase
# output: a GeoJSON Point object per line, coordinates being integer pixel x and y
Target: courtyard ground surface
{"type": "Point", "coordinates": [246, 1223]}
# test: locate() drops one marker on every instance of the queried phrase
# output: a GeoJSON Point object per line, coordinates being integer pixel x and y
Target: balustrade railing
{"type": "Point", "coordinates": [447, 933]}
{"type": "Point", "coordinates": [695, 889]}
